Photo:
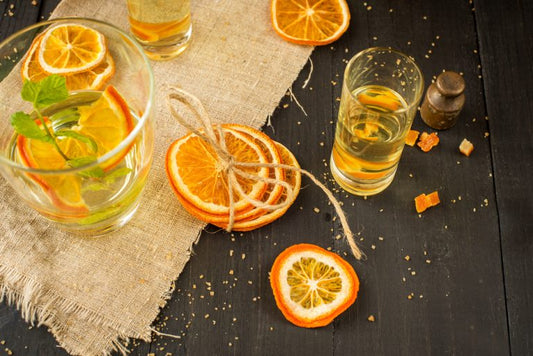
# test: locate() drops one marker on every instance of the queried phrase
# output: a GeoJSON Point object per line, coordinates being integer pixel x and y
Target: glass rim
{"type": "Point", "coordinates": [142, 118]}
{"type": "Point", "coordinates": [408, 59]}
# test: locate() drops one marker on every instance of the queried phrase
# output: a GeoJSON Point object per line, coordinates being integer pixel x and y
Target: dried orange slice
{"type": "Point", "coordinates": [310, 22]}
{"type": "Point", "coordinates": [312, 286]}
{"type": "Point", "coordinates": [31, 69]}
{"type": "Point", "coordinates": [262, 217]}
{"type": "Point", "coordinates": [107, 120]}
{"type": "Point", "coordinates": [198, 177]}
{"type": "Point", "coordinates": [70, 49]}
{"type": "Point", "coordinates": [272, 192]}
{"type": "Point", "coordinates": [92, 79]}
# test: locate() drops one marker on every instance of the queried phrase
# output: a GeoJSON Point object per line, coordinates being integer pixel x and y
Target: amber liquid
{"type": "Point", "coordinates": [157, 32]}
{"type": "Point", "coordinates": [369, 139]}
{"type": "Point", "coordinates": [163, 27]}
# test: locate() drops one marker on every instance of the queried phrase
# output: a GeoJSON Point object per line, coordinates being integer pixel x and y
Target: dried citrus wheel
{"type": "Point", "coordinates": [199, 178]}
{"type": "Point", "coordinates": [31, 69]}
{"type": "Point", "coordinates": [92, 79]}
{"type": "Point", "coordinates": [71, 48]}
{"type": "Point", "coordinates": [107, 121]}
{"type": "Point", "coordinates": [272, 193]}
{"type": "Point", "coordinates": [262, 217]}
{"type": "Point", "coordinates": [310, 22]}
{"type": "Point", "coordinates": [312, 286]}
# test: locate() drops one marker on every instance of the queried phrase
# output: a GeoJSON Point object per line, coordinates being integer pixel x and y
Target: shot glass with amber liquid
{"type": "Point", "coordinates": [162, 27]}
{"type": "Point", "coordinates": [381, 91]}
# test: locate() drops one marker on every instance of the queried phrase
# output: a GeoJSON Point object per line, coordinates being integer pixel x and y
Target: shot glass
{"type": "Point", "coordinates": [380, 95]}
{"type": "Point", "coordinates": [88, 173]}
{"type": "Point", "coordinates": [163, 28]}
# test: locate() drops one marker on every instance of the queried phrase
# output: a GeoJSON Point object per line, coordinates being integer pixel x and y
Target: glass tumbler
{"type": "Point", "coordinates": [380, 95]}
{"type": "Point", "coordinates": [162, 27]}
{"type": "Point", "coordinates": [87, 173]}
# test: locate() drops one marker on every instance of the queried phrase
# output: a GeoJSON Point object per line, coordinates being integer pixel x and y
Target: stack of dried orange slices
{"type": "Point", "coordinates": [201, 181]}
{"type": "Point", "coordinates": [74, 51]}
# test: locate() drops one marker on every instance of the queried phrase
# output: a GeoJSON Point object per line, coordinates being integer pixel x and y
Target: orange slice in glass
{"type": "Point", "coordinates": [64, 190]}
{"type": "Point", "coordinates": [200, 179]}
{"type": "Point", "coordinates": [310, 22]}
{"type": "Point", "coordinates": [312, 286]}
{"type": "Point", "coordinates": [70, 49]}
{"type": "Point", "coordinates": [107, 121]}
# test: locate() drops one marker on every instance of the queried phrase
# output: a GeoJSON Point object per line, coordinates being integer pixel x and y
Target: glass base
{"type": "Point", "coordinates": [359, 186]}
{"type": "Point", "coordinates": [165, 51]}
{"type": "Point", "coordinates": [103, 227]}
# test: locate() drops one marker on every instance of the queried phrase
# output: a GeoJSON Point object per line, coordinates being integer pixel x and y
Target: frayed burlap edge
{"type": "Point", "coordinates": [33, 311]}
{"type": "Point", "coordinates": [33, 294]}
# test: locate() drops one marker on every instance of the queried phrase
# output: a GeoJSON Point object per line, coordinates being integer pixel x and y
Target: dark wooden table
{"type": "Point", "coordinates": [467, 288]}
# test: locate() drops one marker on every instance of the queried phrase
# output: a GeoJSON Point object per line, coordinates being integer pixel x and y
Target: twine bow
{"type": "Point", "coordinates": [213, 135]}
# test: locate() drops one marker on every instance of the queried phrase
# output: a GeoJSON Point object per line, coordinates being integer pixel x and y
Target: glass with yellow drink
{"type": "Point", "coordinates": [380, 94]}
{"type": "Point", "coordinates": [163, 27]}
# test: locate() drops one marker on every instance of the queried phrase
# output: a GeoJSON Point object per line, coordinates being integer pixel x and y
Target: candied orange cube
{"type": "Point", "coordinates": [411, 137]}
{"type": "Point", "coordinates": [466, 147]}
{"type": "Point", "coordinates": [428, 141]}
{"type": "Point", "coordinates": [423, 201]}
{"type": "Point", "coordinates": [433, 198]}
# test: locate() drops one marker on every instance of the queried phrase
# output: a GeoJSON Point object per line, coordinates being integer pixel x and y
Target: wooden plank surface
{"type": "Point", "coordinates": [456, 307]}
{"type": "Point", "coordinates": [506, 56]}
{"type": "Point", "coordinates": [455, 276]}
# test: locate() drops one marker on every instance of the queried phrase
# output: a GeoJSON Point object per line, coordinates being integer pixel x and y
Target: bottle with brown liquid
{"type": "Point", "coordinates": [443, 101]}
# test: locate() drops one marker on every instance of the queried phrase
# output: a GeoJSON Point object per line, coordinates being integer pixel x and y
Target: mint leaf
{"type": "Point", "coordinates": [116, 173]}
{"type": "Point", "coordinates": [53, 90]}
{"type": "Point", "coordinates": [24, 125]}
{"type": "Point", "coordinates": [94, 187]}
{"type": "Point", "coordinates": [96, 172]}
{"type": "Point", "coordinates": [80, 137]}
{"type": "Point", "coordinates": [48, 91]}
{"type": "Point", "coordinates": [81, 161]}
{"type": "Point", "coordinates": [30, 91]}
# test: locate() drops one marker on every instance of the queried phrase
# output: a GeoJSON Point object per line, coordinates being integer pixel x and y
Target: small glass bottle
{"type": "Point", "coordinates": [443, 101]}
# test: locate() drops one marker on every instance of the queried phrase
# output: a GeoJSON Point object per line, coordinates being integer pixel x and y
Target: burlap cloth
{"type": "Point", "coordinates": [95, 294]}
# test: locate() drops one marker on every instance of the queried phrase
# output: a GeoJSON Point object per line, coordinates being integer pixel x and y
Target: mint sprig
{"type": "Point", "coordinates": [24, 125]}
{"type": "Point", "coordinates": [48, 91]}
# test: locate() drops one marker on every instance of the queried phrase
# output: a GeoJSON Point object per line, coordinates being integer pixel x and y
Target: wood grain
{"type": "Point", "coordinates": [465, 287]}
{"type": "Point", "coordinates": [505, 57]}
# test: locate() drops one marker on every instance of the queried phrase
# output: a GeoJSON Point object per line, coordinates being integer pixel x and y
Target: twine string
{"type": "Point", "coordinates": [233, 168]}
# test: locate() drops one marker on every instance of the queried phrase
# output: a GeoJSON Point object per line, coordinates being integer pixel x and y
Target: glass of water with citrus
{"type": "Point", "coordinates": [77, 141]}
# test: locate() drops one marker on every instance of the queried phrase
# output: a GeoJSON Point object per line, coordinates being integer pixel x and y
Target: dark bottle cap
{"type": "Point", "coordinates": [443, 101]}
{"type": "Point", "coordinates": [450, 84]}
